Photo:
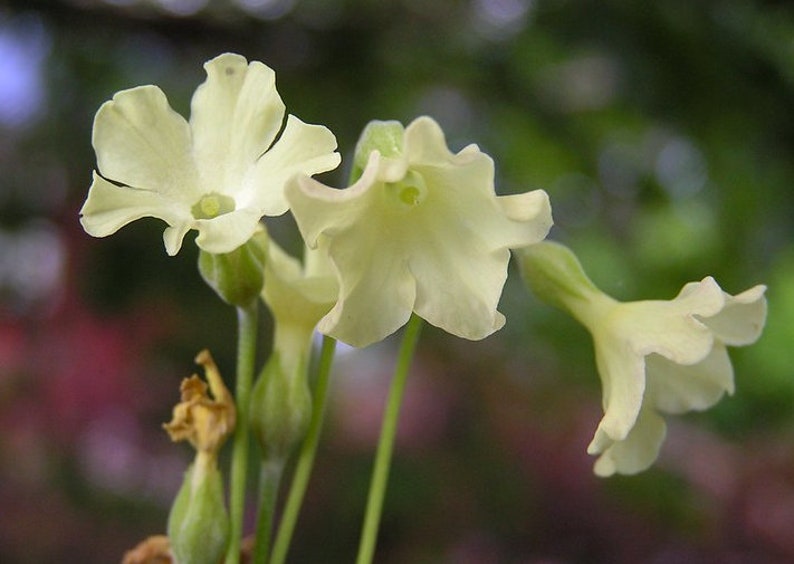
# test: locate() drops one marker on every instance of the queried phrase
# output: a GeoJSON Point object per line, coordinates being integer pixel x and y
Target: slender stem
{"type": "Point", "coordinates": [308, 451]}
{"type": "Point", "coordinates": [269, 480]}
{"type": "Point", "coordinates": [388, 432]}
{"type": "Point", "coordinates": [247, 321]}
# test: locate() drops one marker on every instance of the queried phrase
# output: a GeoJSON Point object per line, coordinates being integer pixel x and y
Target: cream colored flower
{"type": "Point", "coordinates": [652, 356]}
{"type": "Point", "coordinates": [422, 230]}
{"type": "Point", "coordinates": [218, 174]}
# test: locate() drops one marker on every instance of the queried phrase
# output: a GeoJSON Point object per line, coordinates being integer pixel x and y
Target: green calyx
{"type": "Point", "coordinates": [556, 276]}
{"type": "Point", "coordinates": [386, 137]}
{"type": "Point", "coordinates": [280, 407]}
{"type": "Point", "coordinates": [198, 525]}
{"type": "Point", "coordinates": [237, 277]}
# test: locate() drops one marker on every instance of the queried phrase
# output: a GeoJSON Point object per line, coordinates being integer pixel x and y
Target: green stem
{"type": "Point", "coordinates": [308, 451]}
{"type": "Point", "coordinates": [269, 481]}
{"type": "Point", "coordinates": [388, 432]}
{"type": "Point", "coordinates": [247, 321]}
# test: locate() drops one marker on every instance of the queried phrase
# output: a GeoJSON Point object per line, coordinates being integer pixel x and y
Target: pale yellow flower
{"type": "Point", "coordinates": [218, 174]}
{"type": "Point", "coordinates": [421, 231]}
{"type": "Point", "coordinates": [653, 356]}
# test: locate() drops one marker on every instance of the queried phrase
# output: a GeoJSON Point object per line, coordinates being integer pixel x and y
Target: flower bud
{"type": "Point", "coordinates": [198, 525]}
{"type": "Point", "coordinates": [280, 407]}
{"type": "Point", "coordinates": [554, 274]}
{"type": "Point", "coordinates": [386, 137]}
{"type": "Point", "coordinates": [237, 277]}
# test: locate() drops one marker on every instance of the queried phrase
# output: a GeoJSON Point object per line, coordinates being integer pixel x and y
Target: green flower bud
{"type": "Point", "coordinates": [386, 137]}
{"type": "Point", "coordinates": [280, 407]}
{"type": "Point", "coordinates": [237, 277]}
{"type": "Point", "coordinates": [555, 275]}
{"type": "Point", "coordinates": [198, 525]}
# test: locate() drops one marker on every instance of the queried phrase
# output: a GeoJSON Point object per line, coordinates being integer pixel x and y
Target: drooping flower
{"type": "Point", "coordinates": [422, 230]}
{"type": "Point", "coordinates": [218, 174]}
{"type": "Point", "coordinates": [653, 356]}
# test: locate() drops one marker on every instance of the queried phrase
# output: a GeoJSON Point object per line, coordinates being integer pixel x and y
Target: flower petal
{"type": "Point", "coordinates": [109, 207]}
{"type": "Point", "coordinates": [742, 319]}
{"type": "Point", "coordinates": [319, 209]}
{"type": "Point", "coordinates": [141, 142]}
{"type": "Point", "coordinates": [674, 388]}
{"type": "Point", "coordinates": [425, 144]}
{"type": "Point", "coordinates": [301, 148]}
{"type": "Point", "coordinates": [225, 233]}
{"type": "Point", "coordinates": [672, 328]}
{"type": "Point", "coordinates": [637, 451]}
{"type": "Point", "coordinates": [376, 294]}
{"type": "Point", "coordinates": [235, 116]}
{"type": "Point", "coordinates": [458, 289]}
{"type": "Point", "coordinates": [293, 298]}
{"type": "Point", "coordinates": [530, 217]}
{"type": "Point", "coordinates": [622, 373]}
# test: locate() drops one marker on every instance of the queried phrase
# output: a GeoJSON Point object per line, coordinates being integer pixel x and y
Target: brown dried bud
{"type": "Point", "coordinates": [203, 420]}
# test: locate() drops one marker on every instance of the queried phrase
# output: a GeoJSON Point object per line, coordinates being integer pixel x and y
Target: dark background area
{"type": "Point", "coordinates": [664, 135]}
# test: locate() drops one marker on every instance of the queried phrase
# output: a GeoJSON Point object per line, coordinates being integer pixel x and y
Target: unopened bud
{"type": "Point", "coordinates": [237, 277]}
{"type": "Point", "coordinates": [280, 408]}
{"type": "Point", "coordinates": [198, 525]}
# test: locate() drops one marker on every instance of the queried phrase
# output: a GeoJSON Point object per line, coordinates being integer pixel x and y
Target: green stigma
{"type": "Point", "coordinates": [212, 205]}
{"type": "Point", "coordinates": [410, 195]}
{"type": "Point", "coordinates": [410, 192]}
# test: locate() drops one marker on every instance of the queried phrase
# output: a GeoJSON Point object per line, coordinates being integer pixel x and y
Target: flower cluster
{"type": "Point", "coordinates": [419, 234]}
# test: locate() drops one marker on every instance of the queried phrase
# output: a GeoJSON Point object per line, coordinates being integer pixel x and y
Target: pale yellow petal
{"type": "Point", "coordinates": [675, 388]}
{"type": "Point", "coordinates": [142, 143]}
{"type": "Point", "coordinates": [622, 373]}
{"type": "Point", "coordinates": [225, 233]}
{"type": "Point", "coordinates": [235, 116]}
{"type": "Point", "coordinates": [742, 319]}
{"type": "Point", "coordinates": [109, 207]}
{"type": "Point", "coordinates": [301, 149]}
{"type": "Point", "coordinates": [637, 451]}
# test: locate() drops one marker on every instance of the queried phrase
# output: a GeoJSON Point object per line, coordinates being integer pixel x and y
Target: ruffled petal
{"type": "Point", "coordinates": [458, 290]}
{"type": "Point", "coordinates": [235, 116]}
{"type": "Point", "coordinates": [301, 148]}
{"type": "Point", "coordinates": [637, 451]}
{"type": "Point", "coordinates": [109, 207]}
{"type": "Point", "coordinates": [742, 319]}
{"type": "Point", "coordinates": [622, 373]}
{"type": "Point", "coordinates": [672, 328]}
{"type": "Point", "coordinates": [376, 294]}
{"type": "Point", "coordinates": [674, 388]}
{"type": "Point", "coordinates": [141, 142]}
{"type": "Point", "coordinates": [225, 233]}
{"type": "Point", "coordinates": [294, 298]}
{"type": "Point", "coordinates": [425, 144]}
{"type": "Point", "coordinates": [319, 209]}
{"type": "Point", "coordinates": [529, 216]}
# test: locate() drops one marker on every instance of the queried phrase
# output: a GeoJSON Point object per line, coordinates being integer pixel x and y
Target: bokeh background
{"type": "Point", "coordinates": [664, 134]}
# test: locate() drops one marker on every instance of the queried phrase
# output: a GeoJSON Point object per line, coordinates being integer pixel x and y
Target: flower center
{"type": "Point", "coordinates": [212, 205]}
{"type": "Point", "coordinates": [410, 191]}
